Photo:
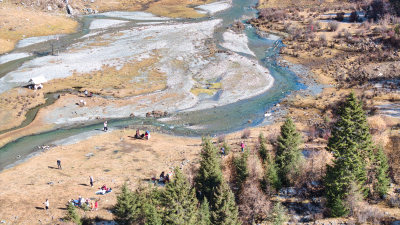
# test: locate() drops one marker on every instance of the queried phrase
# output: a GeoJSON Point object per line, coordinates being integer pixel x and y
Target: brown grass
{"type": "Point", "coordinates": [17, 23]}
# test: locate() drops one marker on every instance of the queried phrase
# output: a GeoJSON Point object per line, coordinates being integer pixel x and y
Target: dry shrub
{"type": "Point", "coordinates": [393, 155]}
{"type": "Point", "coordinates": [253, 203]}
{"type": "Point", "coordinates": [394, 201]}
{"type": "Point", "coordinates": [221, 138]}
{"type": "Point", "coordinates": [376, 124]}
{"type": "Point", "coordinates": [246, 134]}
{"type": "Point", "coordinates": [333, 26]}
{"type": "Point", "coordinates": [314, 168]}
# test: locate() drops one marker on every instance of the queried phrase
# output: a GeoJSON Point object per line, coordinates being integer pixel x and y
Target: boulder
{"type": "Point", "coordinates": [48, 7]}
{"type": "Point", "coordinates": [70, 10]}
{"type": "Point", "coordinates": [89, 10]}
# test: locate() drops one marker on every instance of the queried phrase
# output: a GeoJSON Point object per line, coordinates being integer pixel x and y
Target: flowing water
{"type": "Point", "coordinates": [228, 118]}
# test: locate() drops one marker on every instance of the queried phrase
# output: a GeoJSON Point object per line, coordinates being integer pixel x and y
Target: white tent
{"type": "Point", "coordinates": [38, 80]}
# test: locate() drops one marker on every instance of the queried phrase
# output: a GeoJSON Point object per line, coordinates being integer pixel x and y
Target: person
{"type": "Point", "coordinates": [96, 205]}
{"type": "Point", "coordinates": [91, 181]}
{"type": "Point", "coordinates": [167, 178]}
{"type": "Point", "coordinates": [86, 93]}
{"type": "Point", "coordinates": [137, 135]}
{"type": "Point", "coordinates": [222, 151]}
{"type": "Point", "coordinates": [59, 164]}
{"type": "Point", "coordinates": [162, 177]}
{"type": "Point", "coordinates": [105, 128]}
{"type": "Point", "coordinates": [104, 187]}
{"type": "Point", "coordinates": [47, 204]}
{"type": "Point", "coordinates": [242, 146]}
{"type": "Point", "coordinates": [147, 135]}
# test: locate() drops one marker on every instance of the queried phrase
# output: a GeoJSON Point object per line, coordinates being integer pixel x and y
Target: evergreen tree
{"type": "Point", "coordinates": [381, 173]}
{"type": "Point", "coordinates": [209, 175]}
{"type": "Point", "coordinates": [241, 170]}
{"type": "Point", "coordinates": [263, 149]}
{"type": "Point", "coordinates": [278, 215]}
{"type": "Point", "coordinates": [288, 156]}
{"type": "Point", "coordinates": [270, 178]}
{"type": "Point", "coordinates": [72, 214]}
{"type": "Point", "coordinates": [127, 207]}
{"type": "Point", "coordinates": [224, 210]}
{"type": "Point", "coordinates": [179, 201]}
{"type": "Point", "coordinates": [204, 217]}
{"type": "Point", "coordinates": [351, 146]}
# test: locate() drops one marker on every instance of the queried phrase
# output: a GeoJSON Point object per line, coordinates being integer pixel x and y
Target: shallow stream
{"type": "Point", "coordinates": [218, 120]}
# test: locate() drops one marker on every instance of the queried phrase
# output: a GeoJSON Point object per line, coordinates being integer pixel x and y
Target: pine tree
{"type": "Point", "coordinates": [278, 215]}
{"type": "Point", "coordinates": [270, 178]}
{"type": "Point", "coordinates": [209, 175]}
{"type": "Point", "coordinates": [179, 201]}
{"type": "Point", "coordinates": [262, 149]}
{"type": "Point", "coordinates": [72, 214]}
{"type": "Point", "coordinates": [241, 170]}
{"type": "Point", "coordinates": [381, 173]}
{"type": "Point", "coordinates": [288, 156]}
{"type": "Point", "coordinates": [224, 210]}
{"type": "Point", "coordinates": [204, 217]}
{"type": "Point", "coordinates": [127, 207]}
{"type": "Point", "coordinates": [351, 146]}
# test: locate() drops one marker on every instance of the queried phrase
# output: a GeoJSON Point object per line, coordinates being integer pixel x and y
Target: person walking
{"type": "Point", "coordinates": [91, 181]}
{"type": "Point", "coordinates": [242, 146]}
{"type": "Point", "coordinates": [105, 128]}
{"type": "Point", "coordinates": [96, 205]}
{"type": "Point", "coordinates": [59, 164]}
{"type": "Point", "coordinates": [47, 204]}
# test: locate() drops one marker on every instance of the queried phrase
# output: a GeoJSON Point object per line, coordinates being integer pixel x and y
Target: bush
{"type": "Point", "coordinates": [246, 134]}
{"type": "Point", "coordinates": [354, 17]}
{"type": "Point", "coordinates": [278, 215]}
{"type": "Point", "coordinates": [333, 26]}
{"type": "Point", "coordinates": [376, 10]}
{"type": "Point", "coordinates": [221, 138]}
{"type": "Point", "coordinates": [340, 16]}
{"type": "Point", "coordinates": [72, 214]}
{"type": "Point", "coordinates": [394, 202]}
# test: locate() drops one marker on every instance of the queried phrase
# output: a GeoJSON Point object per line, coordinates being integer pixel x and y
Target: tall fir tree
{"type": "Point", "coordinates": [204, 217]}
{"type": "Point", "coordinates": [224, 210]}
{"type": "Point", "coordinates": [179, 201]}
{"type": "Point", "coordinates": [382, 182]}
{"type": "Point", "coordinates": [270, 178]}
{"type": "Point", "coordinates": [209, 175]}
{"type": "Point", "coordinates": [288, 155]}
{"type": "Point", "coordinates": [351, 146]}
{"type": "Point", "coordinates": [127, 207]}
{"type": "Point", "coordinates": [262, 151]}
{"type": "Point", "coordinates": [241, 170]}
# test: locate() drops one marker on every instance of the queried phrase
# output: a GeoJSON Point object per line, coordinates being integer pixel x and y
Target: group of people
{"type": "Point", "coordinates": [104, 190]}
{"type": "Point", "coordinates": [146, 135]}
{"type": "Point", "coordinates": [165, 178]}
{"type": "Point", "coordinates": [82, 202]}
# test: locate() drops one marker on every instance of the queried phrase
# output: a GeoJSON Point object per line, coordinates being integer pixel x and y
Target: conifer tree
{"type": "Point", "coordinates": [278, 215]}
{"type": "Point", "coordinates": [179, 201]}
{"type": "Point", "coordinates": [262, 149]}
{"type": "Point", "coordinates": [72, 214]}
{"type": "Point", "coordinates": [209, 175]}
{"type": "Point", "coordinates": [270, 178]}
{"type": "Point", "coordinates": [241, 170]}
{"type": "Point", "coordinates": [381, 173]}
{"type": "Point", "coordinates": [127, 206]}
{"type": "Point", "coordinates": [204, 217]}
{"type": "Point", "coordinates": [288, 156]}
{"type": "Point", "coordinates": [351, 146]}
{"type": "Point", "coordinates": [224, 210]}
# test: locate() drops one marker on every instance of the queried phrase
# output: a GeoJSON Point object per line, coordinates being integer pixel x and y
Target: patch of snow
{"type": "Point", "coordinates": [105, 23]}
{"type": "Point", "coordinates": [35, 40]}
{"type": "Point", "coordinates": [13, 56]}
{"type": "Point", "coordinates": [236, 42]}
{"type": "Point", "coordinates": [214, 7]}
{"type": "Point", "coordinates": [133, 15]}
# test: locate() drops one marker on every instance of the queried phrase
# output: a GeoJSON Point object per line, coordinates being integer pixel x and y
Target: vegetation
{"type": "Point", "coordinates": [72, 214]}
{"type": "Point", "coordinates": [382, 182]}
{"type": "Point", "coordinates": [241, 170]}
{"type": "Point", "coordinates": [288, 156]}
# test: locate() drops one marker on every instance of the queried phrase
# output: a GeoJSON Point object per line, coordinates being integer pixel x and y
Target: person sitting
{"type": "Point", "coordinates": [104, 187]}
{"type": "Point", "coordinates": [90, 94]}
{"type": "Point", "coordinates": [162, 177]}
{"type": "Point", "coordinates": [108, 190]}
{"type": "Point", "coordinates": [167, 178]}
{"type": "Point", "coordinates": [137, 135]}
{"type": "Point", "coordinates": [147, 135]}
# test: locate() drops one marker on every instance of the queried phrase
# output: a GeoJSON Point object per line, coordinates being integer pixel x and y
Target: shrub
{"type": "Point", "coordinates": [354, 17]}
{"type": "Point", "coordinates": [221, 138]}
{"type": "Point", "coordinates": [394, 202]}
{"type": "Point", "coordinates": [72, 214]}
{"type": "Point", "coordinates": [340, 16]}
{"type": "Point", "coordinates": [333, 26]}
{"type": "Point", "coordinates": [246, 134]}
{"type": "Point", "coordinates": [376, 10]}
{"type": "Point", "coordinates": [278, 215]}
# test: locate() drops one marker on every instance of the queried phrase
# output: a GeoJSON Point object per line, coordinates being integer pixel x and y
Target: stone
{"type": "Point", "coordinates": [48, 7]}
{"type": "Point", "coordinates": [89, 10]}
{"type": "Point", "coordinates": [70, 10]}
{"type": "Point", "coordinates": [91, 1]}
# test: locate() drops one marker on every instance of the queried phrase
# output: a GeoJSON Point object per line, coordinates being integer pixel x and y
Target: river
{"type": "Point", "coordinates": [217, 120]}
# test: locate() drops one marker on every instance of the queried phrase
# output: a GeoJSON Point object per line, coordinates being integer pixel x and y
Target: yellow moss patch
{"type": "Point", "coordinates": [18, 23]}
{"type": "Point", "coordinates": [197, 91]}
{"type": "Point", "coordinates": [132, 79]}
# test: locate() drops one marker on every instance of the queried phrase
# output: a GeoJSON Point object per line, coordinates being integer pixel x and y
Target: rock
{"type": "Point", "coordinates": [70, 10]}
{"type": "Point", "coordinates": [89, 10]}
{"type": "Point", "coordinates": [48, 7]}
{"type": "Point", "coordinates": [132, 115]}
{"type": "Point", "coordinates": [91, 1]}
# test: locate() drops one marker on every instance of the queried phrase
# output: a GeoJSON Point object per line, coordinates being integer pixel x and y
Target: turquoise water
{"type": "Point", "coordinates": [224, 119]}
